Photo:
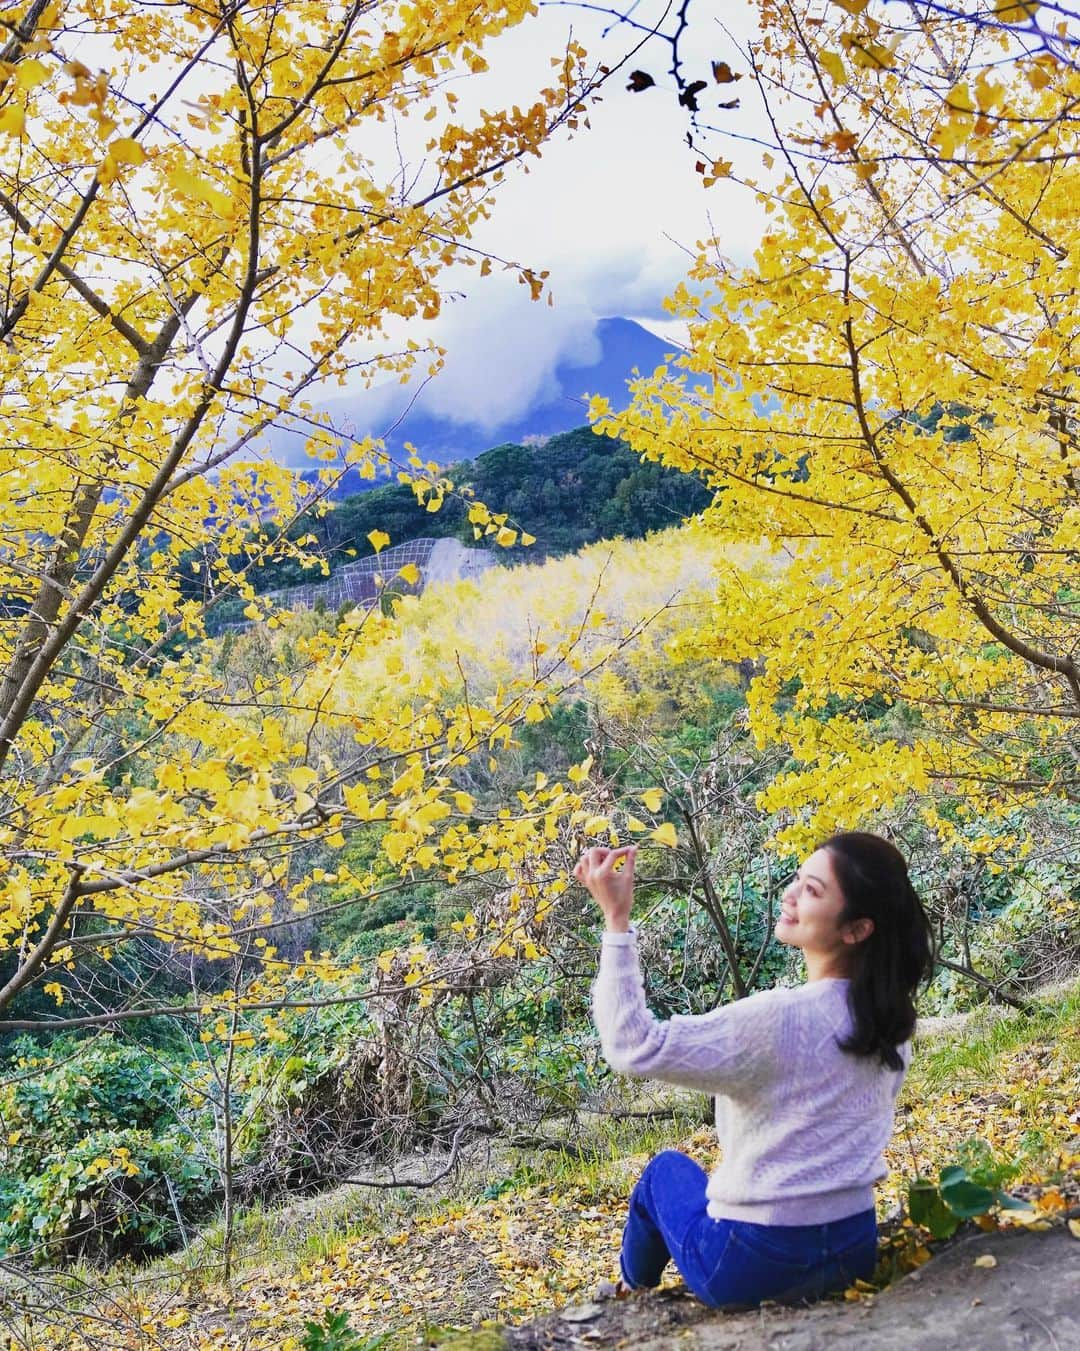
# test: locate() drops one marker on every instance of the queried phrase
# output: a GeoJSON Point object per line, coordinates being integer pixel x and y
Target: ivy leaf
{"type": "Point", "coordinates": [1007, 1202]}
{"type": "Point", "coordinates": [927, 1209]}
{"type": "Point", "coordinates": [964, 1198]}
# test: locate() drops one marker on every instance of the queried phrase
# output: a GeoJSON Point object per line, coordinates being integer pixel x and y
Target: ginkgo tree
{"type": "Point", "coordinates": [208, 209]}
{"type": "Point", "coordinates": [886, 396]}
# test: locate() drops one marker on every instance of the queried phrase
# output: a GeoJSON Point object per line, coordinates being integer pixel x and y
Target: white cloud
{"type": "Point", "coordinates": [613, 213]}
{"type": "Point", "coordinates": [502, 354]}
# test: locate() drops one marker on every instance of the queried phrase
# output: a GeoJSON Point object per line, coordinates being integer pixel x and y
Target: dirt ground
{"type": "Point", "coordinates": [1029, 1299]}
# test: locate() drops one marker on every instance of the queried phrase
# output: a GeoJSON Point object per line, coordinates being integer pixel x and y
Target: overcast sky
{"type": "Point", "coordinates": [611, 213]}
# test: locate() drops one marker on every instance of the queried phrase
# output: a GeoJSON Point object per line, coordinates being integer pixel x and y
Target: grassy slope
{"type": "Point", "coordinates": [400, 1262]}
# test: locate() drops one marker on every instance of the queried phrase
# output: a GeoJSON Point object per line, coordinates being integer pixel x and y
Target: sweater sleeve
{"type": "Point", "coordinates": [714, 1052]}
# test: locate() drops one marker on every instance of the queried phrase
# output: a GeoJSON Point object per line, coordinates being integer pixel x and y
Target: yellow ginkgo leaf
{"type": "Point", "coordinates": [12, 120]}
{"type": "Point", "coordinates": [651, 799]}
{"type": "Point", "coordinates": [506, 537]}
{"type": "Point", "coordinates": [30, 73]}
{"type": "Point", "coordinates": [865, 53]}
{"type": "Point", "coordinates": [579, 773]}
{"type": "Point", "coordinates": [527, 539]}
{"type": "Point", "coordinates": [665, 834]}
{"type": "Point", "coordinates": [1008, 11]}
{"type": "Point", "coordinates": [378, 539]}
{"type": "Point", "coordinates": [464, 802]}
{"type": "Point", "coordinates": [126, 150]}
{"type": "Point", "coordinates": [959, 99]}
{"type": "Point", "coordinates": [595, 824]}
{"type": "Point", "coordinates": [1074, 1228]}
{"type": "Point", "coordinates": [188, 184]}
{"type": "Point", "coordinates": [409, 573]}
{"type": "Point", "coordinates": [632, 823]}
{"type": "Point", "coordinates": [833, 64]}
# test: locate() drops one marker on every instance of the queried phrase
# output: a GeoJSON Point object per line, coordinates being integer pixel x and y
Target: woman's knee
{"type": "Point", "coordinates": [673, 1161]}
{"type": "Point", "coordinates": [665, 1169]}
{"type": "Point", "coordinates": [668, 1158]}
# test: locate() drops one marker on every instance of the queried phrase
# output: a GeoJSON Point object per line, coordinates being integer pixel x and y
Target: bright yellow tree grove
{"type": "Point", "coordinates": [886, 396]}
{"type": "Point", "coordinates": [207, 209]}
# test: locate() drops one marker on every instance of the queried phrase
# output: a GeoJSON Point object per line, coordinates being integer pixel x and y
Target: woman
{"type": "Point", "coordinates": [805, 1082]}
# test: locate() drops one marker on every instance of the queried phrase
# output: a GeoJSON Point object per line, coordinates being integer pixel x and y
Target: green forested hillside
{"type": "Point", "coordinates": [570, 491]}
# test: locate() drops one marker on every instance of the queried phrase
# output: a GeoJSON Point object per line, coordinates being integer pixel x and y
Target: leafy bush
{"type": "Point", "coordinates": [101, 1084]}
{"type": "Point", "coordinates": [95, 1163]}
{"type": "Point", "coordinates": [109, 1195]}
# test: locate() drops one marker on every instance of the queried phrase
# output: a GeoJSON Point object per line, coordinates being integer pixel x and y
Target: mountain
{"type": "Point", "coordinates": [624, 345]}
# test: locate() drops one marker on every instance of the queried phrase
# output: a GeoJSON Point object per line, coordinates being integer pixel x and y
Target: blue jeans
{"type": "Point", "coordinates": [734, 1262]}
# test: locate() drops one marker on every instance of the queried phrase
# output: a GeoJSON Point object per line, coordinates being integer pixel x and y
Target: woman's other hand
{"type": "Point", "coordinates": [608, 876]}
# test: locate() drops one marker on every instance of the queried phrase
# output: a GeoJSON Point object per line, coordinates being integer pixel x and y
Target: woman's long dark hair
{"type": "Point", "coordinates": [886, 967]}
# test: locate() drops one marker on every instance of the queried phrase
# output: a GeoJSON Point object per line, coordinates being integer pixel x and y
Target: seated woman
{"type": "Point", "coordinates": [805, 1082]}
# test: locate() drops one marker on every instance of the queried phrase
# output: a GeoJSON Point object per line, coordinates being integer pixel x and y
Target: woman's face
{"type": "Point", "coordinates": [810, 910]}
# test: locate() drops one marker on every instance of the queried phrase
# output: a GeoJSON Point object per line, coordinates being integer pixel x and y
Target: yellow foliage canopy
{"type": "Point", "coordinates": [886, 396]}
{"type": "Point", "coordinates": [195, 233]}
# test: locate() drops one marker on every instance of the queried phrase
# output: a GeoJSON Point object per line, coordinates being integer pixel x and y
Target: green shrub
{"type": "Point", "coordinates": [93, 1160]}
{"type": "Point", "coordinates": [106, 1196]}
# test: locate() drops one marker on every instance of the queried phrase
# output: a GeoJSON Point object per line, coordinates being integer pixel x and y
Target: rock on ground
{"type": "Point", "coordinates": [1030, 1299]}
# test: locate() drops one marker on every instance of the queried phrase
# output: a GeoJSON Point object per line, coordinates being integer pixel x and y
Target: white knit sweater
{"type": "Point", "coordinates": [802, 1124]}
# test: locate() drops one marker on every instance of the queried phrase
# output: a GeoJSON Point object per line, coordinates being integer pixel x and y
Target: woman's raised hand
{"type": "Point", "coordinates": [608, 876]}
